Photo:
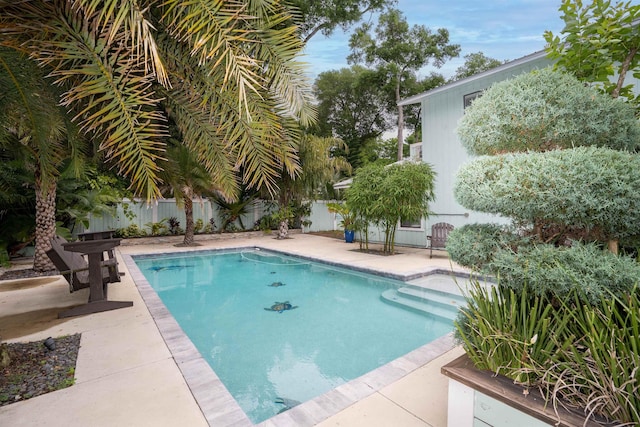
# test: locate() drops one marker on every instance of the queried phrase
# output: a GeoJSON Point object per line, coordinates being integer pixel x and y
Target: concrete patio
{"type": "Point", "coordinates": [127, 375]}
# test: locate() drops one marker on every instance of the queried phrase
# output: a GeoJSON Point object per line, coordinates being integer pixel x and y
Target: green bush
{"type": "Point", "coordinates": [552, 271]}
{"type": "Point", "coordinates": [158, 228]}
{"type": "Point", "coordinates": [4, 258]}
{"type": "Point", "coordinates": [386, 195]}
{"type": "Point", "coordinates": [267, 223]}
{"type": "Point", "coordinates": [546, 110]}
{"type": "Point", "coordinates": [474, 245]}
{"type": "Point", "coordinates": [131, 231]}
{"type": "Point", "coordinates": [592, 190]}
{"type": "Point", "coordinates": [210, 226]}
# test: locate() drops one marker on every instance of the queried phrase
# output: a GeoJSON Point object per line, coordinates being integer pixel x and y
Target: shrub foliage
{"type": "Point", "coordinates": [475, 245]}
{"type": "Point", "coordinates": [591, 192]}
{"type": "Point", "coordinates": [386, 195]}
{"type": "Point", "coordinates": [546, 110]}
{"type": "Point", "coordinates": [555, 272]}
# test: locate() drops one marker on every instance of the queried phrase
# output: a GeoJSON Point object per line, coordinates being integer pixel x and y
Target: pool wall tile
{"type": "Point", "coordinates": [356, 389]}
{"type": "Point", "coordinates": [333, 401]}
{"type": "Point", "coordinates": [382, 376]}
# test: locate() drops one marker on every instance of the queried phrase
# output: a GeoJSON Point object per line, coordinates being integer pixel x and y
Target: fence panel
{"type": "Point", "coordinates": [139, 213]}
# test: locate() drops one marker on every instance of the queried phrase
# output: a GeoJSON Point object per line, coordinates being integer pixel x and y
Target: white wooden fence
{"type": "Point", "coordinates": [144, 216]}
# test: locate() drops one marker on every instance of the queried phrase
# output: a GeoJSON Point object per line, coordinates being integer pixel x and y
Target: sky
{"type": "Point", "coordinates": [501, 29]}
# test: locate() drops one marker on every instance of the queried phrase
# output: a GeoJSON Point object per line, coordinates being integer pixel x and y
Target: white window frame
{"type": "Point", "coordinates": [420, 228]}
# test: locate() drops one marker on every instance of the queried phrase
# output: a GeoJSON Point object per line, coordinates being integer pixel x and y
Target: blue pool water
{"type": "Point", "coordinates": [334, 327]}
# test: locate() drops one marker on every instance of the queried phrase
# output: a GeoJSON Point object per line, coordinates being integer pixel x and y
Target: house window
{"type": "Point", "coordinates": [411, 224]}
{"type": "Point", "coordinates": [470, 97]}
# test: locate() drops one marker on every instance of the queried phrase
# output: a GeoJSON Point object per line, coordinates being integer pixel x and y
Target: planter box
{"type": "Point", "coordinates": [481, 399]}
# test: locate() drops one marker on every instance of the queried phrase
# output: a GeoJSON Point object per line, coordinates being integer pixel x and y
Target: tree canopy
{"type": "Point", "coordinates": [352, 107]}
{"type": "Point", "coordinates": [475, 63]}
{"type": "Point", "coordinates": [325, 16]}
{"type": "Point", "coordinates": [400, 50]}
{"type": "Point", "coordinates": [573, 115]}
{"type": "Point", "coordinates": [586, 191]}
{"type": "Point", "coordinates": [564, 170]}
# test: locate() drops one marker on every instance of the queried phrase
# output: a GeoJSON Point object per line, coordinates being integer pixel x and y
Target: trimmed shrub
{"type": "Point", "coordinates": [587, 188]}
{"type": "Point", "coordinates": [555, 272]}
{"type": "Point", "coordinates": [474, 245]}
{"type": "Point", "coordinates": [546, 110]}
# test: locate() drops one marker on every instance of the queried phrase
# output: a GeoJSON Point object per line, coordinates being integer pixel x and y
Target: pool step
{"type": "Point", "coordinates": [420, 293]}
{"type": "Point", "coordinates": [428, 301]}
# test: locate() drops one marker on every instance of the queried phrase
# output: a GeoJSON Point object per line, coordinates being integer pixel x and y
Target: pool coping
{"type": "Point", "coordinates": [218, 405]}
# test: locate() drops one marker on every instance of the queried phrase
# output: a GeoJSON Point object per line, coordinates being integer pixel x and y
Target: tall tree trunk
{"type": "Point", "coordinates": [623, 72]}
{"type": "Point", "coordinates": [45, 222]}
{"type": "Point", "coordinates": [190, 228]}
{"type": "Point", "coordinates": [400, 120]}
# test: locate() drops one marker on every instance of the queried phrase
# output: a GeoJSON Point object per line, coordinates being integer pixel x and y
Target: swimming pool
{"type": "Point", "coordinates": [280, 330]}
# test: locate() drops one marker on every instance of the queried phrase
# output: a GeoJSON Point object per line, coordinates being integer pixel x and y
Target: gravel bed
{"type": "Point", "coordinates": [36, 370]}
{"type": "Point", "coordinates": [25, 273]}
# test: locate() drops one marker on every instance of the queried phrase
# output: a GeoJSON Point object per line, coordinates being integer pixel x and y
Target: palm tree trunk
{"type": "Point", "coordinates": [190, 228]}
{"type": "Point", "coordinates": [45, 222]}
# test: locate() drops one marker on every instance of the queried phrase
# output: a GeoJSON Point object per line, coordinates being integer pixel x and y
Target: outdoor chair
{"type": "Point", "coordinates": [75, 269]}
{"type": "Point", "coordinates": [95, 273]}
{"type": "Point", "coordinates": [438, 238]}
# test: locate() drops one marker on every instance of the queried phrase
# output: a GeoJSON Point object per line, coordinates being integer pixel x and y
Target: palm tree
{"type": "Point", "coordinates": [187, 179]}
{"type": "Point", "coordinates": [318, 166]}
{"type": "Point", "coordinates": [226, 71]}
{"type": "Point", "coordinates": [233, 210]}
{"type": "Point", "coordinates": [35, 130]}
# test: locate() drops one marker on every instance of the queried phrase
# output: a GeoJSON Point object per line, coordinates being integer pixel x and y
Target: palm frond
{"type": "Point", "coordinates": [240, 95]}
{"type": "Point", "coordinates": [278, 45]}
{"type": "Point", "coordinates": [258, 144]}
{"type": "Point", "coordinates": [215, 32]}
{"type": "Point", "coordinates": [128, 18]}
{"type": "Point", "coordinates": [202, 138]}
{"type": "Point", "coordinates": [30, 112]}
{"type": "Point", "coordinates": [112, 97]}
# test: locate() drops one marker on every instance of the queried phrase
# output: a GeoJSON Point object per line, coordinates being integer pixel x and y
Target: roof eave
{"type": "Point", "coordinates": [418, 98]}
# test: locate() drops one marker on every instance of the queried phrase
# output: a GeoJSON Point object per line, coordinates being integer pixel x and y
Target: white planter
{"type": "Point", "coordinates": [481, 399]}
